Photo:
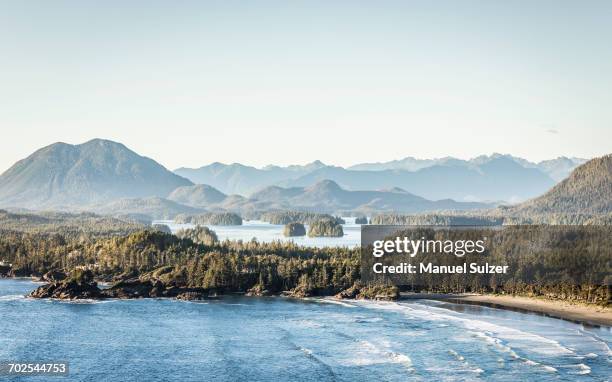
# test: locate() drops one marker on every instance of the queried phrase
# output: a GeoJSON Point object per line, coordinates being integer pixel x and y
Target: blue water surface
{"type": "Point", "coordinates": [280, 339]}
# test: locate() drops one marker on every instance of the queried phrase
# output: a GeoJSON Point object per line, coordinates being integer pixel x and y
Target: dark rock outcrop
{"type": "Point", "coordinates": [134, 288]}
{"type": "Point", "coordinates": [258, 290]}
{"type": "Point", "coordinates": [53, 276]}
{"type": "Point", "coordinates": [5, 271]}
{"type": "Point", "coordinates": [194, 295]}
{"type": "Point", "coordinates": [350, 293]}
{"type": "Point", "coordinates": [360, 291]}
{"type": "Point", "coordinates": [68, 290]}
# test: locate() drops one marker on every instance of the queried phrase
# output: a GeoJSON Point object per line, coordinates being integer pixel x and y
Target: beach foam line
{"type": "Point", "coordinates": [456, 355]}
{"type": "Point", "coordinates": [305, 323]}
{"type": "Point", "coordinates": [329, 300]}
{"type": "Point", "coordinates": [360, 319]}
{"type": "Point", "coordinates": [368, 354]}
{"type": "Point", "coordinates": [491, 333]}
{"type": "Point", "coordinates": [581, 369]}
{"type": "Point", "coordinates": [310, 354]}
{"type": "Point", "coordinates": [12, 297]}
{"type": "Point", "coordinates": [546, 346]}
{"type": "Point", "coordinates": [600, 341]}
{"type": "Point", "coordinates": [498, 343]}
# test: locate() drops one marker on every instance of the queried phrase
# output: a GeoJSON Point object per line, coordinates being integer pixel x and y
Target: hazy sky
{"type": "Point", "coordinates": [192, 82]}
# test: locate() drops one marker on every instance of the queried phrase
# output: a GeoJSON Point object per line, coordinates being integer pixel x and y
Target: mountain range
{"type": "Point", "coordinates": [558, 169]}
{"type": "Point", "coordinates": [106, 177]}
{"type": "Point", "coordinates": [484, 178]}
{"type": "Point", "coordinates": [325, 196]}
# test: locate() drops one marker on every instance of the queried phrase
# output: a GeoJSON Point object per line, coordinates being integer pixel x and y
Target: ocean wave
{"type": "Point", "coordinates": [12, 297]}
{"type": "Point", "coordinates": [468, 367]}
{"type": "Point", "coordinates": [600, 341]}
{"type": "Point", "coordinates": [305, 350]}
{"type": "Point", "coordinates": [580, 369]}
{"type": "Point", "coordinates": [458, 356]}
{"type": "Point", "coordinates": [360, 319]}
{"type": "Point", "coordinates": [308, 324]}
{"type": "Point", "coordinates": [329, 300]}
{"type": "Point", "coordinates": [233, 304]}
{"type": "Point", "coordinates": [81, 301]}
{"type": "Point", "coordinates": [310, 354]}
{"type": "Point", "coordinates": [530, 341]}
{"type": "Point", "coordinates": [503, 347]}
{"type": "Point", "coordinates": [367, 353]}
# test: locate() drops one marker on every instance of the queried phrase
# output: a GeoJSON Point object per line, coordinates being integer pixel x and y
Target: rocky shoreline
{"type": "Point", "coordinates": [81, 285]}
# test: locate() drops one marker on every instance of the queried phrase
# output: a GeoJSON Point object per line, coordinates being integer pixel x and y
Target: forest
{"type": "Point", "coordinates": [116, 250]}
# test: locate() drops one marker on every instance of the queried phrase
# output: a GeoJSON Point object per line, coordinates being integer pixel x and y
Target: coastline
{"type": "Point", "coordinates": [577, 312]}
{"type": "Point", "coordinates": [571, 311]}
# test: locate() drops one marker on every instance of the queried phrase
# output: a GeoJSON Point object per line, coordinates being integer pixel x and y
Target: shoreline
{"type": "Point", "coordinates": [591, 315]}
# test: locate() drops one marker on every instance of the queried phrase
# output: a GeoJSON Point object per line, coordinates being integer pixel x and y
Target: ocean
{"type": "Point", "coordinates": [237, 338]}
{"type": "Point", "coordinates": [266, 232]}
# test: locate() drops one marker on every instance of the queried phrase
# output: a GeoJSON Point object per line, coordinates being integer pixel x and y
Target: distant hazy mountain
{"type": "Point", "coordinates": [588, 190]}
{"type": "Point", "coordinates": [197, 195]}
{"type": "Point", "coordinates": [484, 178]}
{"type": "Point", "coordinates": [240, 179]}
{"type": "Point", "coordinates": [497, 179]}
{"type": "Point", "coordinates": [327, 196]}
{"type": "Point", "coordinates": [408, 163]}
{"type": "Point", "coordinates": [558, 169]}
{"type": "Point", "coordinates": [324, 196]}
{"type": "Point", "coordinates": [76, 175]}
{"type": "Point", "coordinates": [154, 207]}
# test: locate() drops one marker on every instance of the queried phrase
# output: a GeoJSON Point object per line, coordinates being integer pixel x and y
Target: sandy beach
{"type": "Point", "coordinates": [588, 314]}
{"type": "Point", "coordinates": [572, 311]}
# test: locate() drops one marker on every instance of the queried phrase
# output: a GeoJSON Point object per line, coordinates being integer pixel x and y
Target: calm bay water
{"type": "Point", "coordinates": [265, 232]}
{"type": "Point", "coordinates": [277, 339]}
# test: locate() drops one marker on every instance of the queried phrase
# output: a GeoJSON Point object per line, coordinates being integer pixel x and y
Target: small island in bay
{"type": "Point", "coordinates": [294, 229]}
{"type": "Point", "coordinates": [210, 218]}
{"type": "Point", "coordinates": [325, 228]}
{"type": "Point", "coordinates": [286, 217]}
{"type": "Point", "coordinates": [361, 220]}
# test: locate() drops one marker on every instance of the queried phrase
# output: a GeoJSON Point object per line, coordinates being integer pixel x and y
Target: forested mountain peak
{"type": "Point", "coordinates": [64, 175]}
{"type": "Point", "coordinates": [587, 190]}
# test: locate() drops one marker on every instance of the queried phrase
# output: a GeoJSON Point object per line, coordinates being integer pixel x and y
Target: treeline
{"type": "Point", "coordinates": [286, 217]}
{"type": "Point", "coordinates": [562, 262]}
{"type": "Point", "coordinates": [501, 216]}
{"type": "Point", "coordinates": [227, 266]}
{"type": "Point", "coordinates": [195, 258]}
{"type": "Point", "coordinates": [199, 234]}
{"type": "Point", "coordinates": [325, 228]}
{"type": "Point", "coordinates": [558, 219]}
{"type": "Point", "coordinates": [210, 218]}
{"type": "Point", "coordinates": [435, 219]}
{"type": "Point", "coordinates": [70, 225]}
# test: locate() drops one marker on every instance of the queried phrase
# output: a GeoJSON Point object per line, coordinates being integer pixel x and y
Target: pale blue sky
{"type": "Point", "coordinates": [192, 82]}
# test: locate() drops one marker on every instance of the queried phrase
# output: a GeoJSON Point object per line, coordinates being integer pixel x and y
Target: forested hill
{"type": "Point", "coordinates": [588, 190]}
{"type": "Point", "coordinates": [63, 175]}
